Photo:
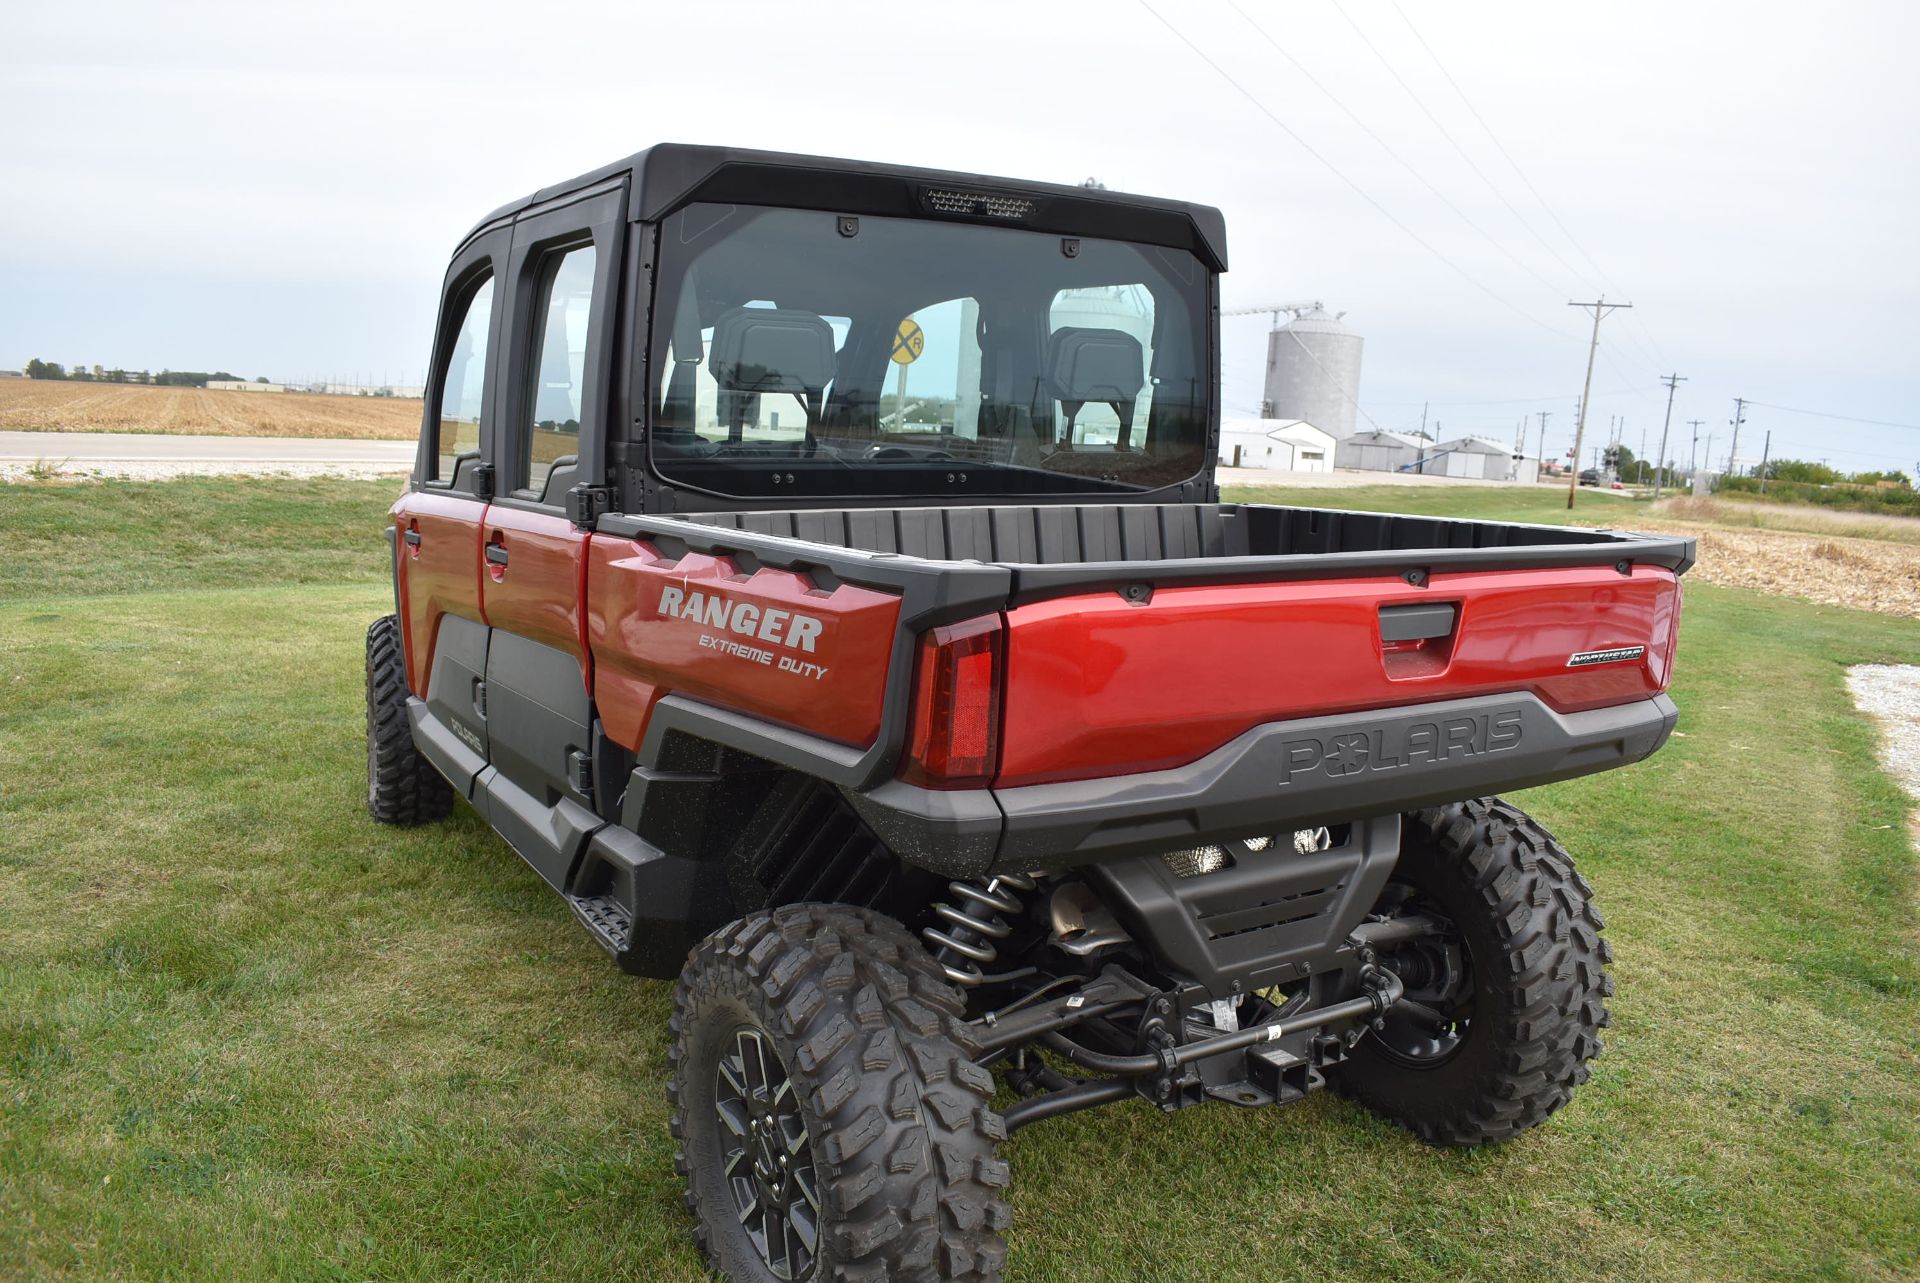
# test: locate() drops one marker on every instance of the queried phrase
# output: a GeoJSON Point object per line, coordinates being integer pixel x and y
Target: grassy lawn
{"type": "Point", "coordinates": [245, 1033]}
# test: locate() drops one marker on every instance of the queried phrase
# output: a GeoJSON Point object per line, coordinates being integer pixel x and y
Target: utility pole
{"type": "Point", "coordinates": [1540, 461]}
{"type": "Point", "coordinates": [1672, 381]}
{"type": "Point", "coordinates": [1600, 307]}
{"type": "Point", "coordinates": [1693, 451]}
{"type": "Point", "coordinates": [1739, 417]}
{"type": "Point", "coordinates": [1709, 451]}
{"type": "Point", "coordinates": [1765, 450]}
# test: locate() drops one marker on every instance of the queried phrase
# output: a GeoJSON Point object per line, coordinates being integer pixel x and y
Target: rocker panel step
{"type": "Point", "coordinates": [606, 919]}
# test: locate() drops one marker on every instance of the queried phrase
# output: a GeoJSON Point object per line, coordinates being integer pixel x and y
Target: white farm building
{"type": "Point", "coordinates": [1285, 445]}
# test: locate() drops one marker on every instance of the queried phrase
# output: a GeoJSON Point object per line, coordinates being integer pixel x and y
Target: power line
{"type": "Point", "coordinates": [1659, 358]}
{"type": "Point", "coordinates": [1494, 138]}
{"type": "Point", "coordinates": [1844, 418]}
{"type": "Point", "coordinates": [1632, 387]}
{"type": "Point", "coordinates": [1419, 102]}
{"type": "Point", "coordinates": [1388, 148]}
{"type": "Point", "coordinates": [1517, 400]}
{"type": "Point", "coordinates": [1336, 171]}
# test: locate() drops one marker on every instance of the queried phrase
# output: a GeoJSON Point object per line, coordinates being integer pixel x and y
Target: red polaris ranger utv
{"type": "Point", "coordinates": [816, 571]}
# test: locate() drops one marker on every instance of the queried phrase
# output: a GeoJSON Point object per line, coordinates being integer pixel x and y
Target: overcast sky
{"type": "Point", "coordinates": [274, 189]}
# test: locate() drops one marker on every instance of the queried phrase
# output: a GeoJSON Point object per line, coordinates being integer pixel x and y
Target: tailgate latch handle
{"type": "Point", "coordinates": [1419, 621]}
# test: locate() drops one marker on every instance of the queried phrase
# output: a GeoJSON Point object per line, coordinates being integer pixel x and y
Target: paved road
{"type": "Point", "coordinates": [154, 456]}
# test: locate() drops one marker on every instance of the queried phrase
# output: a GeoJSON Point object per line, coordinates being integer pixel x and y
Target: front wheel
{"type": "Point", "coordinates": [1506, 1001]}
{"type": "Point", "coordinates": [402, 786]}
{"type": "Point", "coordinates": [828, 1124]}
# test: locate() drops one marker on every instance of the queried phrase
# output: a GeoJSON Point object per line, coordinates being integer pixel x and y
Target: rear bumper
{"type": "Point", "coordinates": [1275, 777]}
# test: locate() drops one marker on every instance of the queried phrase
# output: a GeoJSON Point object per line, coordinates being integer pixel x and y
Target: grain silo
{"type": "Point", "coordinates": [1313, 371]}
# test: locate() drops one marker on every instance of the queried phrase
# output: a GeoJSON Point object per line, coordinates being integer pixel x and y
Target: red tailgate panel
{"type": "Point", "coordinates": [807, 657]}
{"type": "Point", "coordinates": [1099, 686]}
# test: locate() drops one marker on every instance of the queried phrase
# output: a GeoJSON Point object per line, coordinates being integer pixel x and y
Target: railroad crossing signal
{"type": "Point", "coordinates": [909, 341]}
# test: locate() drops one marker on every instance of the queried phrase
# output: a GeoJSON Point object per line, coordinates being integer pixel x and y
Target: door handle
{"type": "Point", "coordinates": [497, 554]}
{"type": "Point", "coordinates": [413, 538]}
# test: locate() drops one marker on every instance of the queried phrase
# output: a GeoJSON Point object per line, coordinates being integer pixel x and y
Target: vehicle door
{"type": "Point", "coordinates": [438, 521]}
{"type": "Point", "coordinates": [553, 428]}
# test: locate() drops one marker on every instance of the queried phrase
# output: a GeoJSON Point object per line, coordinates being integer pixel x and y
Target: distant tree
{"type": "Point", "coordinates": [38, 369]}
{"type": "Point", "coordinates": [1876, 478]}
{"type": "Point", "coordinates": [1817, 474]}
{"type": "Point", "coordinates": [263, 379]}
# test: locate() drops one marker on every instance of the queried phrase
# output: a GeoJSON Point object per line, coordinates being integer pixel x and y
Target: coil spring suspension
{"type": "Point", "coordinates": [966, 943]}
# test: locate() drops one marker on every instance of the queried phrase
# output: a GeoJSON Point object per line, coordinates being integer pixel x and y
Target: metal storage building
{"type": "Point", "coordinates": [1380, 451]}
{"type": "Point", "coordinates": [1282, 444]}
{"type": "Point", "coordinates": [1477, 458]}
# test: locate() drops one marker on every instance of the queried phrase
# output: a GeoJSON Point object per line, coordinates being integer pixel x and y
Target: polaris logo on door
{"type": "Point", "coordinates": [764, 623]}
{"type": "Point", "coordinates": [1389, 748]}
{"type": "Point", "coordinates": [1618, 655]}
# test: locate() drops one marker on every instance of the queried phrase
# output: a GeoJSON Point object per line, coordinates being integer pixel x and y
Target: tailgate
{"type": "Point", "coordinates": [1102, 684]}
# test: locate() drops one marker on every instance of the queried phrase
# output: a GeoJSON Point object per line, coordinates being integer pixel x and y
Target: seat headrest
{"type": "Point", "coordinates": [765, 349]}
{"type": "Point", "coordinates": [1095, 365]}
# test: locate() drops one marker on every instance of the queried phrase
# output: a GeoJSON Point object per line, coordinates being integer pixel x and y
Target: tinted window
{"type": "Point", "coordinates": [560, 355]}
{"type": "Point", "coordinates": [464, 384]}
{"type": "Point", "coordinates": [918, 356]}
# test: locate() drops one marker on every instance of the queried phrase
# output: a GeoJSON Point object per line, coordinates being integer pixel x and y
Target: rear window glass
{"type": "Point", "coordinates": [920, 357]}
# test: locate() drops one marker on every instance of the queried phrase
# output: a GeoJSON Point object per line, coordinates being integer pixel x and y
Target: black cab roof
{"type": "Point", "coordinates": [668, 175]}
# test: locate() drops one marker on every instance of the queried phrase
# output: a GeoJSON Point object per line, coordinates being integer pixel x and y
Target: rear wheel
{"type": "Point", "coordinates": [829, 1125]}
{"type": "Point", "coordinates": [1506, 1001]}
{"type": "Point", "coordinates": [402, 786]}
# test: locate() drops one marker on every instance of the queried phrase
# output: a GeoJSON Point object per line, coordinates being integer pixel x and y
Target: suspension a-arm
{"type": "Point", "coordinates": [1048, 1022]}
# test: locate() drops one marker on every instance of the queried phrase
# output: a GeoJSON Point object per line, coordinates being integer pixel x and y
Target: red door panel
{"type": "Point", "coordinates": [536, 591]}
{"type": "Point", "coordinates": [770, 642]}
{"type": "Point", "coordinates": [439, 571]}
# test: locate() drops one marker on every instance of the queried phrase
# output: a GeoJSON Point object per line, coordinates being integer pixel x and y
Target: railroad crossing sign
{"type": "Point", "coordinates": [909, 341]}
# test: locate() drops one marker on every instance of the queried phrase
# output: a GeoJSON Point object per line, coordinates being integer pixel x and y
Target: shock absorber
{"type": "Point", "coordinates": [965, 941]}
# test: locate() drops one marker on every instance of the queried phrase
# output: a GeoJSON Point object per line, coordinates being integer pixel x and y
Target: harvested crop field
{"type": "Point", "coordinates": [1835, 570]}
{"type": "Point", "coordinates": [1863, 562]}
{"type": "Point", "coordinates": [1803, 518]}
{"type": "Point", "coordinates": [33, 405]}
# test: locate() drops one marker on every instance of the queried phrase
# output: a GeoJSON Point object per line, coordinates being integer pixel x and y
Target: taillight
{"type": "Point", "coordinates": [954, 739]}
{"type": "Point", "coordinates": [1673, 635]}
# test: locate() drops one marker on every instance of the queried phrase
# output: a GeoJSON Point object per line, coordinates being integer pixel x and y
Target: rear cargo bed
{"type": "Point", "coordinates": [1062, 548]}
{"type": "Point", "coordinates": [1191, 656]}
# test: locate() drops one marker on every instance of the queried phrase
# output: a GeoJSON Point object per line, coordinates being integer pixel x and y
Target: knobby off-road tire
{"type": "Point", "coordinates": [898, 1133]}
{"type": "Point", "coordinates": [1527, 924]}
{"type": "Point", "coordinates": [402, 786]}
